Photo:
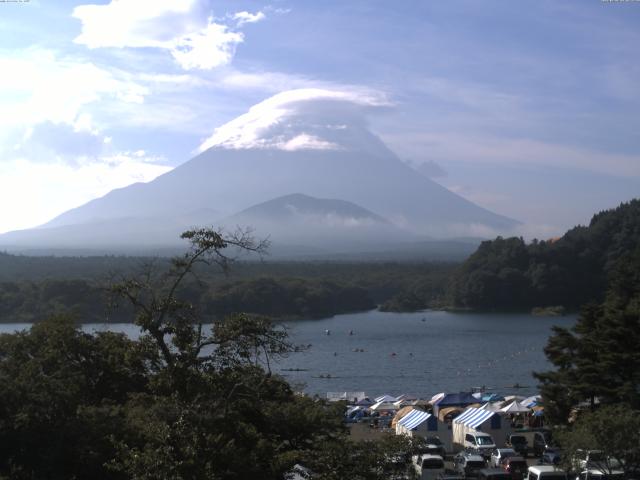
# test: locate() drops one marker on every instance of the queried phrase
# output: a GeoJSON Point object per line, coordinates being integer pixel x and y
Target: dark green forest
{"type": "Point", "coordinates": [508, 273]}
{"type": "Point", "coordinates": [32, 288]}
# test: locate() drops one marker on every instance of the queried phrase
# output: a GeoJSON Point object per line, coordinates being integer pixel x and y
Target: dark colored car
{"type": "Point", "coordinates": [516, 467]}
{"type": "Point", "coordinates": [519, 444]}
{"type": "Point", "coordinates": [450, 476]}
{"type": "Point", "coordinates": [551, 456]}
{"type": "Point", "coordinates": [493, 474]}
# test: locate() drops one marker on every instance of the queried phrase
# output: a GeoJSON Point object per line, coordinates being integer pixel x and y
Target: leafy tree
{"type": "Point", "coordinates": [597, 360]}
{"type": "Point", "coordinates": [389, 457]}
{"type": "Point", "coordinates": [185, 401]}
{"type": "Point", "coordinates": [569, 271]}
{"type": "Point", "coordinates": [613, 430]}
{"type": "Point", "coordinates": [61, 396]}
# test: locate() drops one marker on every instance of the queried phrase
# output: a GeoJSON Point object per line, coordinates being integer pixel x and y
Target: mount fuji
{"type": "Point", "coordinates": [302, 164]}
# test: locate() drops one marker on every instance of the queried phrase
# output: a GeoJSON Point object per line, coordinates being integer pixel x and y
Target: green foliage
{"type": "Point", "coordinates": [285, 290]}
{"type": "Point", "coordinates": [613, 430]}
{"type": "Point", "coordinates": [598, 358]}
{"type": "Point", "coordinates": [570, 271]}
{"type": "Point", "coordinates": [389, 457]}
{"type": "Point", "coordinates": [288, 297]}
{"type": "Point", "coordinates": [61, 395]}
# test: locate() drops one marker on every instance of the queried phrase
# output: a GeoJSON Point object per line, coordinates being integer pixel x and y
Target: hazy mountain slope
{"type": "Point", "coordinates": [231, 180]}
{"type": "Point", "coordinates": [290, 207]}
{"type": "Point", "coordinates": [331, 224]}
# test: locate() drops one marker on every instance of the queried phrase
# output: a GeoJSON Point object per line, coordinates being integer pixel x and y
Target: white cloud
{"type": "Point", "coordinates": [268, 81]}
{"type": "Point", "coordinates": [38, 86]}
{"type": "Point", "coordinates": [210, 47]}
{"type": "Point", "coordinates": [182, 27]}
{"type": "Point", "coordinates": [306, 142]}
{"type": "Point", "coordinates": [310, 118]}
{"type": "Point", "coordinates": [38, 192]}
{"type": "Point", "coordinates": [246, 17]}
{"type": "Point", "coordinates": [136, 23]}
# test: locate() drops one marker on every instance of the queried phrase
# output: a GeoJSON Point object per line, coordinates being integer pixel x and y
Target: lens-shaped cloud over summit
{"type": "Point", "coordinates": [302, 119]}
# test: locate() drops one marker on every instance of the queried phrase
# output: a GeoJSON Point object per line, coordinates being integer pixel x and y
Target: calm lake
{"type": "Point", "coordinates": [421, 353]}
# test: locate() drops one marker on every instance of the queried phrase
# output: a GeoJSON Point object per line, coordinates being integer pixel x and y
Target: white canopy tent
{"type": "Point", "coordinates": [386, 398]}
{"type": "Point", "coordinates": [515, 407]}
{"type": "Point", "coordinates": [383, 406]}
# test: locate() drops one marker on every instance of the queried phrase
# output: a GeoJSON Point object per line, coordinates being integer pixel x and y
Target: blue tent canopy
{"type": "Point", "coordinates": [461, 399]}
{"type": "Point", "coordinates": [491, 397]}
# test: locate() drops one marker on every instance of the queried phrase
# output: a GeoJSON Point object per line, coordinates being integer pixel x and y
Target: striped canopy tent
{"type": "Point", "coordinates": [414, 419]}
{"type": "Point", "coordinates": [472, 417]}
{"type": "Point", "coordinates": [401, 413]}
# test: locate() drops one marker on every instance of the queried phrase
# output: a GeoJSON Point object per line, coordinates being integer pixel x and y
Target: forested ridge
{"type": "Point", "coordinates": [32, 288]}
{"type": "Point", "coordinates": [507, 273]}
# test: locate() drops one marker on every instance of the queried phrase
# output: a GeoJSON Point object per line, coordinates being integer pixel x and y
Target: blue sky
{"type": "Point", "coordinates": [528, 108]}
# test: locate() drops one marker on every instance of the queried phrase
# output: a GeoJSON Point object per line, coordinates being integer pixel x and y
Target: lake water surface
{"type": "Point", "coordinates": [402, 353]}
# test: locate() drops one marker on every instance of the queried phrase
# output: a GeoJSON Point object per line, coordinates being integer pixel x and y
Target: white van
{"type": "Point", "coordinates": [545, 472]}
{"type": "Point", "coordinates": [427, 466]}
{"type": "Point", "coordinates": [480, 442]}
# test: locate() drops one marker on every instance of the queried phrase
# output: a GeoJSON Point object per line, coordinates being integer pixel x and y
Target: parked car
{"type": "Point", "coordinates": [551, 456]}
{"type": "Point", "coordinates": [450, 476]}
{"type": "Point", "coordinates": [595, 474]}
{"type": "Point", "coordinates": [468, 464]}
{"type": "Point", "coordinates": [593, 459]}
{"type": "Point", "coordinates": [427, 466]}
{"type": "Point", "coordinates": [480, 442]}
{"type": "Point", "coordinates": [493, 474]}
{"type": "Point", "coordinates": [537, 440]}
{"type": "Point", "coordinates": [515, 466]}
{"type": "Point", "coordinates": [434, 446]}
{"type": "Point", "coordinates": [545, 472]}
{"type": "Point", "coordinates": [519, 443]}
{"type": "Point", "coordinates": [499, 454]}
